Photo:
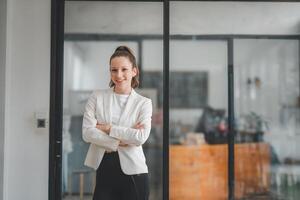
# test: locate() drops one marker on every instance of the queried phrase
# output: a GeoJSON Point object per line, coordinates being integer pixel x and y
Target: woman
{"type": "Point", "coordinates": [116, 123]}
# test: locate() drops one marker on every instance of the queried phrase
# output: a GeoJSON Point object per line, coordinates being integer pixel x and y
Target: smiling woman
{"type": "Point", "coordinates": [123, 70]}
{"type": "Point", "coordinates": [116, 123]}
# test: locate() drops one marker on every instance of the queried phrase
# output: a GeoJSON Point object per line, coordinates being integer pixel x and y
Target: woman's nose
{"type": "Point", "coordinates": [119, 73]}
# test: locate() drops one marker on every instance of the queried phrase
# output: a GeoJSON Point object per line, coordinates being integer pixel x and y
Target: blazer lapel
{"type": "Point", "coordinates": [128, 106]}
{"type": "Point", "coordinates": [108, 106]}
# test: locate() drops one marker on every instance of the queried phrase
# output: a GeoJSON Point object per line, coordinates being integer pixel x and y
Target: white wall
{"type": "Point", "coordinates": [2, 87]}
{"type": "Point", "coordinates": [27, 86]}
{"type": "Point", "coordinates": [234, 18]}
{"type": "Point", "coordinates": [85, 17]}
{"type": "Point", "coordinates": [185, 17]}
{"type": "Point", "coordinates": [276, 64]}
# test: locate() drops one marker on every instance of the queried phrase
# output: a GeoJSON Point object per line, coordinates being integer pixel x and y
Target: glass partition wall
{"type": "Point", "coordinates": [207, 39]}
{"type": "Point", "coordinates": [257, 42]}
{"type": "Point", "coordinates": [198, 110]}
{"type": "Point", "coordinates": [267, 117]}
{"type": "Point", "coordinates": [90, 39]}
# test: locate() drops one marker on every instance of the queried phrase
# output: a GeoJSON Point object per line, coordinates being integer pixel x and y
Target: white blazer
{"type": "Point", "coordinates": [137, 109]}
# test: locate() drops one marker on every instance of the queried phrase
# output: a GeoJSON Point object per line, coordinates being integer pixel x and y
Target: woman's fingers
{"type": "Point", "coordinates": [141, 126]}
{"type": "Point", "coordinates": [98, 126]}
{"type": "Point", "coordinates": [138, 126]}
{"type": "Point", "coordinates": [123, 144]}
{"type": "Point", "coordinates": [103, 127]}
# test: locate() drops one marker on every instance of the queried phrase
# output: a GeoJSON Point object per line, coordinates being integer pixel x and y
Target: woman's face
{"type": "Point", "coordinates": [122, 72]}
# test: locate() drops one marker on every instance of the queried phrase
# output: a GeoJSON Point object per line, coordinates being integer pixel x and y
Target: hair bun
{"type": "Point", "coordinates": [124, 48]}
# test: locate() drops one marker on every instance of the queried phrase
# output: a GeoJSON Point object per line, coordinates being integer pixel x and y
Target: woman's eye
{"type": "Point", "coordinates": [124, 70]}
{"type": "Point", "coordinates": [113, 70]}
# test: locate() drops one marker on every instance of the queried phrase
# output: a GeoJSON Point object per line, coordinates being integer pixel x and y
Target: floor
{"type": "Point", "coordinates": [154, 195]}
{"type": "Point", "coordinates": [283, 193]}
{"type": "Point", "coordinates": [256, 197]}
{"type": "Point", "coordinates": [77, 198]}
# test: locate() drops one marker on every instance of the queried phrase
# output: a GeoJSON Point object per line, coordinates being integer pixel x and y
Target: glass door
{"type": "Point", "coordinates": [198, 119]}
{"type": "Point", "coordinates": [267, 113]}
{"type": "Point", "coordinates": [198, 108]}
{"type": "Point", "coordinates": [93, 30]}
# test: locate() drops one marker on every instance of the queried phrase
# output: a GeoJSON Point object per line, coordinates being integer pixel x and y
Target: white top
{"type": "Point", "coordinates": [118, 106]}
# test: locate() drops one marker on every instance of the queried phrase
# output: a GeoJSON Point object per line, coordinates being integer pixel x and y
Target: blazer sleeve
{"type": "Point", "coordinates": [90, 133]}
{"type": "Point", "coordinates": [135, 136]}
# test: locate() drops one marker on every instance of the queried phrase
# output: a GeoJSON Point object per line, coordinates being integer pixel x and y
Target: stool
{"type": "Point", "coordinates": [81, 174]}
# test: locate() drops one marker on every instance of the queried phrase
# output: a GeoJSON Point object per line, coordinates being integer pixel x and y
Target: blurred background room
{"type": "Point", "coordinates": [259, 40]}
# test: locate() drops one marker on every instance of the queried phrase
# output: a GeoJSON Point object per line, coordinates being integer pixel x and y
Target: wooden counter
{"type": "Point", "coordinates": [200, 172]}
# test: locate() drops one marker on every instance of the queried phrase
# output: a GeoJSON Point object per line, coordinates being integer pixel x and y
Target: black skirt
{"type": "Point", "coordinates": [113, 184]}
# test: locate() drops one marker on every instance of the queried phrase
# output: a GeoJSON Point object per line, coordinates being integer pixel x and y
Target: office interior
{"type": "Point", "coordinates": [265, 39]}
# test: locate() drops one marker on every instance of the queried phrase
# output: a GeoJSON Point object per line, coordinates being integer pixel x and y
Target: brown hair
{"type": "Point", "coordinates": [124, 51]}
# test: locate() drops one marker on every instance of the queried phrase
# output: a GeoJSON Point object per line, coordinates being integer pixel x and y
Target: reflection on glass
{"type": "Point", "coordinates": [92, 32]}
{"type": "Point", "coordinates": [267, 116]}
{"type": "Point", "coordinates": [266, 100]}
{"type": "Point", "coordinates": [198, 113]}
{"type": "Point", "coordinates": [198, 107]}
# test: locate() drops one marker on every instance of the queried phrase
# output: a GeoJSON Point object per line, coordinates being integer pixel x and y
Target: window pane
{"type": "Point", "coordinates": [198, 108]}
{"type": "Point", "coordinates": [92, 32]}
{"type": "Point", "coordinates": [267, 117]}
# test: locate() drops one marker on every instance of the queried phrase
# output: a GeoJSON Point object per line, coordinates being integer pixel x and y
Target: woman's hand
{"type": "Point", "coordinates": [103, 127]}
{"type": "Point", "coordinates": [122, 144]}
{"type": "Point", "coordinates": [138, 126]}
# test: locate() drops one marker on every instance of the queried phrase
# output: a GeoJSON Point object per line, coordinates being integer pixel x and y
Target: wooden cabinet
{"type": "Point", "coordinates": [200, 172]}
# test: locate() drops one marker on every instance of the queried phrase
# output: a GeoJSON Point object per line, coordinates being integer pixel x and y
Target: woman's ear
{"type": "Point", "coordinates": [134, 70]}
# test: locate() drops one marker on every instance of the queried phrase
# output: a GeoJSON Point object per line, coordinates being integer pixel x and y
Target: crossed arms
{"type": "Point", "coordinates": [109, 136]}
